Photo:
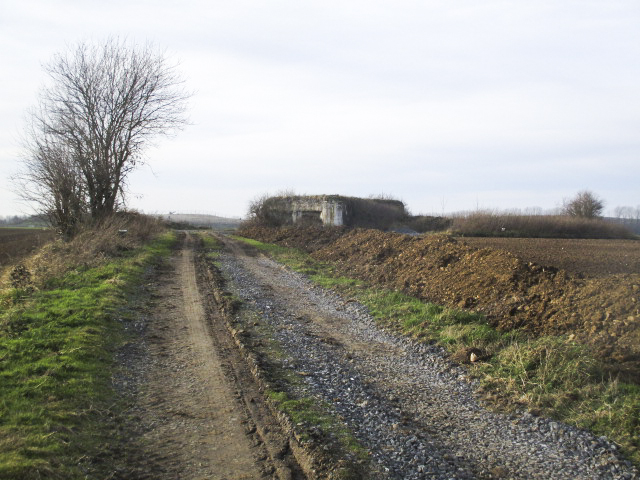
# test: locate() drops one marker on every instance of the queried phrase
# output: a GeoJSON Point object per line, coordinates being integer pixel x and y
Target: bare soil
{"type": "Point", "coordinates": [592, 258]}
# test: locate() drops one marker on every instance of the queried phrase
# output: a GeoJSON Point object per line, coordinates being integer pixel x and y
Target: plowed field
{"type": "Point", "coordinates": [595, 258]}
{"type": "Point", "coordinates": [16, 243]}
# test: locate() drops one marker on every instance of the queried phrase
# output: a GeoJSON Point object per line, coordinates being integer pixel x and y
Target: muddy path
{"type": "Point", "coordinates": [416, 413]}
{"type": "Point", "coordinates": [198, 413]}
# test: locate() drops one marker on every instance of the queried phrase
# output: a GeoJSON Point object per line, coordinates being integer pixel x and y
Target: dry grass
{"type": "Point", "coordinates": [553, 226]}
{"type": "Point", "coordinates": [91, 247]}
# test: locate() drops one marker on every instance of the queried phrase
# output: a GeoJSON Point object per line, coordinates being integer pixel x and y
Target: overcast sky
{"type": "Point", "coordinates": [447, 105]}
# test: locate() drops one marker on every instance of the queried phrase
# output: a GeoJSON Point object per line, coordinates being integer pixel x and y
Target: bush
{"type": "Point", "coordinates": [425, 223]}
{"type": "Point", "coordinates": [115, 236]}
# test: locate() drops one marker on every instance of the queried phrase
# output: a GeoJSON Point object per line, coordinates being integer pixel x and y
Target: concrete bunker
{"type": "Point", "coordinates": [333, 210]}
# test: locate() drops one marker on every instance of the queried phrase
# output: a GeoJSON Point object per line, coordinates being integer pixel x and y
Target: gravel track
{"type": "Point", "coordinates": [414, 410]}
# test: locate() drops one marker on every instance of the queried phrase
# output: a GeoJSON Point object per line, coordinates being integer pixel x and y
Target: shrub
{"type": "Point", "coordinates": [114, 236]}
{"type": "Point", "coordinates": [425, 223]}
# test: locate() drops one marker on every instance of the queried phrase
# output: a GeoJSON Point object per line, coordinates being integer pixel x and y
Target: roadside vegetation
{"type": "Point", "coordinates": [62, 310]}
{"type": "Point", "coordinates": [579, 217]}
{"type": "Point", "coordinates": [549, 374]}
{"type": "Point", "coordinates": [62, 318]}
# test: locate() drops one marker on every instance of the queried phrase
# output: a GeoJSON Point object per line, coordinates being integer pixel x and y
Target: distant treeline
{"type": "Point", "coordinates": [632, 224]}
{"type": "Point", "coordinates": [191, 220]}
{"type": "Point", "coordinates": [499, 224]}
{"type": "Point", "coordinates": [23, 221]}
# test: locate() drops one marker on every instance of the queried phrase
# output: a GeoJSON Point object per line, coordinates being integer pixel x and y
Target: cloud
{"type": "Point", "coordinates": [474, 102]}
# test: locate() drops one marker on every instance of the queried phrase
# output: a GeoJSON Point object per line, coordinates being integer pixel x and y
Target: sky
{"type": "Point", "coordinates": [447, 105]}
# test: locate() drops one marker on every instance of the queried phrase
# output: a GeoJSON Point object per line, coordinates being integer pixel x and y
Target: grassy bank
{"type": "Point", "coordinates": [56, 350]}
{"type": "Point", "coordinates": [550, 375]}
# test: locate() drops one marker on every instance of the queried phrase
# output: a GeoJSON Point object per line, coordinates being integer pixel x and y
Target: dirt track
{"type": "Point", "coordinates": [200, 413]}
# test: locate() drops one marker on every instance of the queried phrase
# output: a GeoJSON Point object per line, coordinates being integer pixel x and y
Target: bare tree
{"type": "Point", "coordinates": [624, 213]}
{"type": "Point", "coordinates": [585, 204]}
{"type": "Point", "coordinates": [103, 107]}
{"type": "Point", "coordinates": [52, 181]}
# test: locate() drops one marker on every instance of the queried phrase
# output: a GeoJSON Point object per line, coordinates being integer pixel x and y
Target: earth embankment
{"type": "Point", "coordinates": [511, 289]}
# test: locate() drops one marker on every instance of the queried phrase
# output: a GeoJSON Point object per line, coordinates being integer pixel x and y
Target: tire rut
{"type": "Point", "coordinates": [199, 414]}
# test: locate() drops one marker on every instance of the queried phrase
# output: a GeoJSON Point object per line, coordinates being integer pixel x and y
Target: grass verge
{"type": "Point", "coordinates": [56, 354]}
{"type": "Point", "coordinates": [211, 245]}
{"type": "Point", "coordinates": [550, 375]}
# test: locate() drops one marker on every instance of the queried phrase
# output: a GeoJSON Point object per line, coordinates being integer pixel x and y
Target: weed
{"type": "Point", "coordinates": [306, 411]}
{"type": "Point", "coordinates": [210, 245]}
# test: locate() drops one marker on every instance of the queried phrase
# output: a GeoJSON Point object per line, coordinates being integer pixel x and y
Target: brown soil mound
{"type": "Point", "coordinates": [510, 292]}
{"type": "Point", "coordinates": [603, 312]}
{"type": "Point", "coordinates": [308, 239]}
{"type": "Point", "coordinates": [442, 270]}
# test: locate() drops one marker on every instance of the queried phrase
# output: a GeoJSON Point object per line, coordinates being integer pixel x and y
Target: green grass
{"type": "Point", "coordinates": [292, 257]}
{"type": "Point", "coordinates": [563, 379]}
{"type": "Point", "coordinates": [306, 412]}
{"type": "Point", "coordinates": [56, 354]}
{"type": "Point", "coordinates": [210, 244]}
{"type": "Point", "coordinates": [551, 375]}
